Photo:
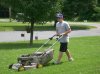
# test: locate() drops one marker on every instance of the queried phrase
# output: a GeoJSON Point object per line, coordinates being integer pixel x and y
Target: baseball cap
{"type": "Point", "coordinates": [59, 15]}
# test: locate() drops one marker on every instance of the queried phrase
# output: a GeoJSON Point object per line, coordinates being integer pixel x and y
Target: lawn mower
{"type": "Point", "coordinates": [36, 59]}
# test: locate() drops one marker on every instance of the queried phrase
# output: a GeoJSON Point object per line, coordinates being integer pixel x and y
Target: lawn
{"type": "Point", "coordinates": [85, 50]}
{"type": "Point", "coordinates": [18, 26]}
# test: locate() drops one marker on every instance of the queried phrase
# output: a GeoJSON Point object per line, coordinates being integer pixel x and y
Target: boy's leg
{"type": "Point", "coordinates": [60, 56]}
{"type": "Point", "coordinates": [69, 55]}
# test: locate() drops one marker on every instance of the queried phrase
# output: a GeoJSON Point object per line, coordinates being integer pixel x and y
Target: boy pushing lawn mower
{"type": "Point", "coordinates": [63, 28]}
{"type": "Point", "coordinates": [39, 59]}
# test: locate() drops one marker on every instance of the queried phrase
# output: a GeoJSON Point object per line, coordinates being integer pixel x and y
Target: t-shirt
{"type": "Point", "coordinates": [61, 27]}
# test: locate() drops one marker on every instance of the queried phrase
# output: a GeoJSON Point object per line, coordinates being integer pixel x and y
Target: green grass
{"type": "Point", "coordinates": [12, 26]}
{"type": "Point", "coordinates": [85, 50]}
{"type": "Point", "coordinates": [18, 26]}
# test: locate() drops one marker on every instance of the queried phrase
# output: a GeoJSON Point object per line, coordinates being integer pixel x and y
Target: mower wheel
{"type": "Point", "coordinates": [21, 68]}
{"type": "Point", "coordinates": [39, 66]}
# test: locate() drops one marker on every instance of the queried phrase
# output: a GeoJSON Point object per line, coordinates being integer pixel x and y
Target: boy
{"type": "Point", "coordinates": [63, 28]}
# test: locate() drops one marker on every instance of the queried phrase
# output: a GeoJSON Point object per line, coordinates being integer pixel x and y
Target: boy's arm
{"type": "Point", "coordinates": [68, 29]}
{"type": "Point", "coordinates": [66, 32]}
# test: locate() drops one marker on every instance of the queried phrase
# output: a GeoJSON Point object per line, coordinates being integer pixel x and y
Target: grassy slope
{"type": "Point", "coordinates": [85, 50]}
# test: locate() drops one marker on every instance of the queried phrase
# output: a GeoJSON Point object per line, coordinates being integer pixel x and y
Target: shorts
{"type": "Point", "coordinates": [63, 47]}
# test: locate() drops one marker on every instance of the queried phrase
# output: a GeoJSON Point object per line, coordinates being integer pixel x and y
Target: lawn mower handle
{"type": "Point", "coordinates": [60, 36]}
{"type": "Point", "coordinates": [48, 41]}
{"type": "Point", "coordinates": [54, 36]}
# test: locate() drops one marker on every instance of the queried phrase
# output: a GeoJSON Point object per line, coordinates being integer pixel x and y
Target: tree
{"type": "Point", "coordinates": [35, 11]}
{"type": "Point", "coordinates": [96, 15]}
{"type": "Point", "coordinates": [81, 9]}
{"type": "Point", "coordinates": [10, 13]}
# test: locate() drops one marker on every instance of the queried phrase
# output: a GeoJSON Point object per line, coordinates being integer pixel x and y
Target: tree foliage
{"type": "Point", "coordinates": [81, 9]}
{"type": "Point", "coordinates": [41, 10]}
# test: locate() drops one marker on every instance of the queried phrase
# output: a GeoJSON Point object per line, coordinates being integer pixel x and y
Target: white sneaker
{"type": "Point", "coordinates": [57, 62]}
{"type": "Point", "coordinates": [70, 59]}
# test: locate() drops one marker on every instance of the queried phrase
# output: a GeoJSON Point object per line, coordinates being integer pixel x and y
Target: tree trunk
{"type": "Point", "coordinates": [31, 32]}
{"type": "Point", "coordinates": [10, 13]}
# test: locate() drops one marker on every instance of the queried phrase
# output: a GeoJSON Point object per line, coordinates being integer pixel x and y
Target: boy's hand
{"type": "Point", "coordinates": [62, 34]}
{"type": "Point", "coordinates": [57, 34]}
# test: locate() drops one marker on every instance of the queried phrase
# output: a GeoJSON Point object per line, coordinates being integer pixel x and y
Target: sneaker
{"type": "Point", "coordinates": [70, 59]}
{"type": "Point", "coordinates": [57, 62]}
